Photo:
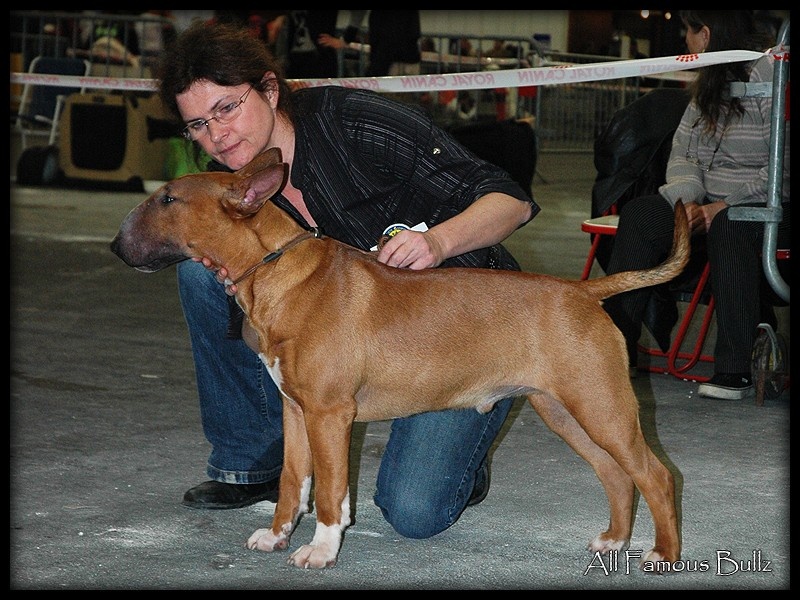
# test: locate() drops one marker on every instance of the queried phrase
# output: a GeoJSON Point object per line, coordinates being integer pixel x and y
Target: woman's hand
{"type": "Point", "coordinates": [694, 214]}
{"type": "Point", "coordinates": [221, 274]}
{"type": "Point", "coordinates": [412, 250]}
{"type": "Point", "coordinates": [711, 210]}
{"type": "Point", "coordinates": [700, 216]}
{"type": "Point", "coordinates": [328, 41]}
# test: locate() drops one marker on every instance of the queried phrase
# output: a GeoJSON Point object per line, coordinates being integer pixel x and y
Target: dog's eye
{"type": "Point", "coordinates": [167, 199]}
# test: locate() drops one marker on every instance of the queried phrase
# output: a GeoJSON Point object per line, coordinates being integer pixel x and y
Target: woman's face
{"type": "Point", "coordinates": [697, 41]}
{"type": "Point", "coordinates": [237, 142]}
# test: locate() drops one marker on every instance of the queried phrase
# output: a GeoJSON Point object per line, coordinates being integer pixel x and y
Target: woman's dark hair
{"type": "Point", "coordinates": [730, 30]}
{"type": "Point", "coordinates": [224, 54]}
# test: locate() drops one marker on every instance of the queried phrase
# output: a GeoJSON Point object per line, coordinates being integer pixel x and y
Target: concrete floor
{"type": "Point", "coordinates": [106, 437]}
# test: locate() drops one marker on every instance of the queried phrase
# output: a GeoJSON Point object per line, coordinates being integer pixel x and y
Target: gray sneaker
{"type": "Point", "coordinates": [727, 386]}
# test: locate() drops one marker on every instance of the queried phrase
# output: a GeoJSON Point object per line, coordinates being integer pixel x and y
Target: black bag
{"type": "Point", "coordinates": [509, 144]}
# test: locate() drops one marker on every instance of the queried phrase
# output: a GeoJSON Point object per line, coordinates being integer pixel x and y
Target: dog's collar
{"type": "Point", "coordinates": [314, 233]}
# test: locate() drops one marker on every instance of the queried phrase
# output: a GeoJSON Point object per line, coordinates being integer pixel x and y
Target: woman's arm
{"type": "Point", "coordinates": [476, 204]}
{"type": "Point", "coordinates": [487, 221]}
{"type": "Point", "coordinates": [684, 180]}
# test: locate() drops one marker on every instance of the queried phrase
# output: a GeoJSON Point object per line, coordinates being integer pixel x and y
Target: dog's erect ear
{"type": "Point", "coordinates": [261, 179]}
{"type": "Point", "coordinates": [269, 157]}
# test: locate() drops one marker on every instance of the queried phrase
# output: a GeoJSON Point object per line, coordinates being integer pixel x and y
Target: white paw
{"type": "Point", "coordinates": [266, 541]}
{"type": "Point", "coordinates": [655, 562]}
{"type": "Point", "coordinates": [604, 546]}
{"type": "Point", "coordinates": [313, 557]}
{"type": "Point", "coordinates": [323, 549]}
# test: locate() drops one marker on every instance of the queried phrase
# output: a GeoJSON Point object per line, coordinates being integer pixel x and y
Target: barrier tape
{"type": "Point", "coordinates": [511, 78]}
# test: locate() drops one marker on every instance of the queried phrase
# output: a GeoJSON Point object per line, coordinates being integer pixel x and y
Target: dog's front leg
{"type": "Point", "coordinates": [295, 485]}
{"type": "Point", "coordinates": [329, 432]}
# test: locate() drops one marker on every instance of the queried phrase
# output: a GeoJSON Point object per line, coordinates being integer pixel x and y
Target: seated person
{"type": "Point", "coordinates": [719, 159]}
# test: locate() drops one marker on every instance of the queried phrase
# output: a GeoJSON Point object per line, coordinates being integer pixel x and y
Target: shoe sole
{"type": "Point", "coordinates": [723, 393]}
{"type": "Point", "coordinates": [229, 505]}
{"type": "Point", "coordinates": [484, 491]}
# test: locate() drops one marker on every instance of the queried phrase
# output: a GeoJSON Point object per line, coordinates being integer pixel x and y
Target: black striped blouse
{"type": "Point", "coordinates": [364, 162]}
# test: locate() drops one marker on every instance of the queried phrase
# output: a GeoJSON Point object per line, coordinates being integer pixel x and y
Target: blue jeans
{"type": "Point", "coordinates": [428, 468]}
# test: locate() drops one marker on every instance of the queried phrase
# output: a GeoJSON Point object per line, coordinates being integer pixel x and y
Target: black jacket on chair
{"type": "Point", "coordinates": [631, 154]}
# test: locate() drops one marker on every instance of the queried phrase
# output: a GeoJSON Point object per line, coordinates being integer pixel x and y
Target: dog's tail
{"type": "Point", "coordinates": [610, 285]}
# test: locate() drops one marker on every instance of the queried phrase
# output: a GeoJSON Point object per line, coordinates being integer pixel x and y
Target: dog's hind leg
{"type": "Point", "coordinates": [656, 484]}
{"type": "Point", "coordinates": [611, 421]}
{"type": "Point", "coordinates": [617, 484]}
{"type": "Point", "coordinates": [295, 484]}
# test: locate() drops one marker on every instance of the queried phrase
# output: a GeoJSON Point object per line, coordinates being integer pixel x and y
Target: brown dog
{"type": "Point", "coordinates": [310, 298]}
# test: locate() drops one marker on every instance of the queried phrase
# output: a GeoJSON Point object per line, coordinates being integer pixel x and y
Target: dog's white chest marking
{"type": "Point", "coordinates": [274, 371]}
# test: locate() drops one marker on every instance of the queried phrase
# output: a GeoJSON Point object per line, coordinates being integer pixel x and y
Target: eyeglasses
{"type": "Point", "coordinates": [693, 157]}
{"type": "Point", "coordinates": [196, 129]}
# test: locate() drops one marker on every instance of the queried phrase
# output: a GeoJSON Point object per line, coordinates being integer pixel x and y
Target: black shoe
{"type": "Point", "coordinates": [220, 496]}
{"type": "Point", "coordinates": [660, 318]}
{"type": "Point", "coordinates": [482, 480]}
{"type": "Point", "coordinates": [727, 386]}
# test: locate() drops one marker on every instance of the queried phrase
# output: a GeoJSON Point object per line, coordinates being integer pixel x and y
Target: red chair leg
{"type": "Point", "coordinates": [587, 267]}
{"type": "Point", "coordinates": [675, 352]}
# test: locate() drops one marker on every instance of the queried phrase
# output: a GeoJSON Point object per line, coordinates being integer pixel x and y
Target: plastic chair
{"type": "Point", "coordinates": [40, 106]}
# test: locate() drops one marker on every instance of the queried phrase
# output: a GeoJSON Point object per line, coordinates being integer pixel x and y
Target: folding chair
{"type": "Point", "coordinates": [679, 362]}
{"type": "Point", "coordinates": [40, 105]}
